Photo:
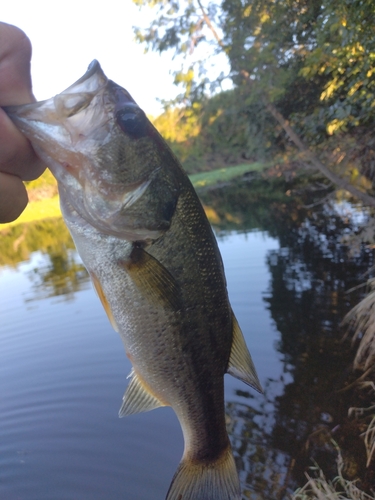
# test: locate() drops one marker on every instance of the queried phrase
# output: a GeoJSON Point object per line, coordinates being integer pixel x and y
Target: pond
{"type": "Point", "coordinates": [63, 369]}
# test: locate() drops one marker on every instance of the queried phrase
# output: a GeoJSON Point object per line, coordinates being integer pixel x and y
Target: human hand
{"type": "Point", "coordinates": [18, 160]}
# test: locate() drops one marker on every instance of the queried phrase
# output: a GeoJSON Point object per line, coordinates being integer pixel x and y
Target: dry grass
{"type": "Point", "coordinates": [362, 319]}
{"type": "Point", "coordinates": [369, 437]}
{"type": "Point", "coordinates": [367, 415]}
{"type": "Point", "coordinates": [319, 488]}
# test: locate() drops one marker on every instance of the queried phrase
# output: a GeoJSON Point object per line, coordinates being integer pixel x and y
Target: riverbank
{"type": "Point", "coordinates": [37, 210]}
{"type": "Point", "coordinates": [49, 207]}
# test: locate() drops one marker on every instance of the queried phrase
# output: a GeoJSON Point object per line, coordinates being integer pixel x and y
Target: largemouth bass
{"type": "Point", "coordinates": [153, 259]}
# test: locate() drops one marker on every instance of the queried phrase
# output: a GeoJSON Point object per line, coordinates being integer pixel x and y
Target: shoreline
{"type": "Point", "coordinates": [50, 207]}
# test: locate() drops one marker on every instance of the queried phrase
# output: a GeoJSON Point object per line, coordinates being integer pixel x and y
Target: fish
{"type": "Point", "coordinates": [153, 259]}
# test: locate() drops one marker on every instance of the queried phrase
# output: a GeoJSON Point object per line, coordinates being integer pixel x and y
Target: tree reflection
{"type": "Point", "coordinates": [264, 468]}
{"type": "Point", "coordinates": [58, 270]}
{"type": "Point", "coordinates": [60, 274]}
{"type": "Point", "coordinates": [277, 440]}
{"type": "Point", "coordinates": [276, 436]}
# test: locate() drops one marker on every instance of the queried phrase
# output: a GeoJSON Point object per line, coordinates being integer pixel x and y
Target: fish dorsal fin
{"type": "Point", "coordinates": [240, 364]}
{"type": "Point", "coordinates": [153, 279]}
{"type": "Point", "coordinates": [103, 299]}
{"type": "Point", "coordinates": [137, 398]}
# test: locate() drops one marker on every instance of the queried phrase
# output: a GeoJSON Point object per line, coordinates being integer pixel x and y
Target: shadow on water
{"type": "Point", "coordinates": [276, 437]}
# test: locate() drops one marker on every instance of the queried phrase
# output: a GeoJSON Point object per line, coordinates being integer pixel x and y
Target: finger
{"type": "Point", "coordinates": [15, 56]}
{"type": "Point", "coordinates": [13, 197]}
{"type": "Point", "coordinates": [17, 156]}
{"type": "Point", "coordinates": [16, 153]}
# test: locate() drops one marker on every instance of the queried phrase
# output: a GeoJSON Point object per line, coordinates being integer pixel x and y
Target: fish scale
{"type": "Point", "coordinates": [151, 254]}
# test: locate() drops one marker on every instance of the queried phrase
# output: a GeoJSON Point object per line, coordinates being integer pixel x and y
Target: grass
{"type": "Point", "coordinates": [367, 417]}
{"type": "Point", "coordinates": [37, 210]}
{"type": "Point", "coordinates": [49, 207]}
{"type": "Point", "coordinates": [362, 320]}
{"type": "Point", "coordinates": [204, 179]}
{"type": "Point", "coordinates": [318, 488]}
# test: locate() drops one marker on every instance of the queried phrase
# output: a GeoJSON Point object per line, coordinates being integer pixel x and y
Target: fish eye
{"type": "Point", "coordinates": [132, 121]}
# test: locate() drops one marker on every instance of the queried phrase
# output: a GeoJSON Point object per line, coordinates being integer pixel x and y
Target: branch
{"type": "Point", "coordinates": [211, 27]}
{"type": "Point", "coordinates": [339, 181]}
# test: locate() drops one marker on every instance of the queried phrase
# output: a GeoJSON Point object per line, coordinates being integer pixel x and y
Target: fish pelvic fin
{"type": "Point", "coordinates": [138, 398]}
{"type": "Point", "coordinates": [241, 365]}
{"type": "Point", "coordinates": [214, 480]}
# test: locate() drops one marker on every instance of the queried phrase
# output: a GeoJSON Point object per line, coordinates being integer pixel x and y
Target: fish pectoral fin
{"type": "Point", "coordinates": [240, 364]}
{"type": "Point", "coordinates": [103, 300]}
{"type": "Point", "coordinates": [138, 398]}
{"type": "Point", "coordinates": [152, 279]}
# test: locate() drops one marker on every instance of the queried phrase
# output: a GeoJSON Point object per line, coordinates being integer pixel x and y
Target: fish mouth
{"type": "Point", "coordinates": [91, 81]}
{"type": "Point", "coordinates": [66, 104]}
{"type": "Point", "coordinates": [68, 130]}
{"type": "Point", "coordinates": [80, 114]}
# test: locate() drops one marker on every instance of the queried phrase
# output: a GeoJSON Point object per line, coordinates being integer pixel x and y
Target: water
{"type": "Point", "coordinates": [63, 372]}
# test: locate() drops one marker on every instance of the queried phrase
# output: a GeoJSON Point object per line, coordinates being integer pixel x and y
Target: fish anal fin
{"type": "Point", "coordinates": [240, 364]}
{"type": "Point", "coordinates": [214, 480]}
{"type": "Point", "coordinates": [138, 398]}
{"type": "Point", "coordinates": [103, 300]}
{"type": "Point", "coordinates": [153, 279]}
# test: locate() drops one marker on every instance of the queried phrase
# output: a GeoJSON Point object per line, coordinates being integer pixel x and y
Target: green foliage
{"type": "Point", "coordinates": [345, 55]}
{"type": "Point", "coordinates": [313, 59]}
{"type": "Point", "coordinates": [322, 51]}
{"type": "Point", "coordinates": [226, 129]}
{"type": "Point", "coordinates": [179, 28]}
{"type": "Point", "coordinates": [180, 127]}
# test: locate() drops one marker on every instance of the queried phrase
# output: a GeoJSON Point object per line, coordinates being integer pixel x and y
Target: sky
{"type": "Point", "coordinates": [66, 36]}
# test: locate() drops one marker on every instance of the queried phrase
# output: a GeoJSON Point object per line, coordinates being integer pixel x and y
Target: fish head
{"type": "Point", "coordinates": [113, 168]}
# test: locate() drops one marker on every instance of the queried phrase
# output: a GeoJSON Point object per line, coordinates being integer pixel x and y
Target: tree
{"type": "Point", "coordinates": [310, 62]}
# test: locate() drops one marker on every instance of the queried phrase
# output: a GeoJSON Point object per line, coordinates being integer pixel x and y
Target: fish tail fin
{"type": "Point", "coordinates": [214, 480]}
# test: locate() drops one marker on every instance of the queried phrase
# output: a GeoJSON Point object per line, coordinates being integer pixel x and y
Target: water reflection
{"type": "Point", "coordinates": [293, 325]}
{"type": "Point", "coordinates": [18, 242]}
{"type": "Point", "coordinates": [55, 268]}
{"type": "Point", "coordinates": [58, 274]}
{"type": "Point", "coordinates": [311, 273]}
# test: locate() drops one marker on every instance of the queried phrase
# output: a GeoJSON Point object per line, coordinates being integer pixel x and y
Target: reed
{"type": "Point", "coordinates": [362, 320]}
{"type": "Point", "coordinates": [318, 488]}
